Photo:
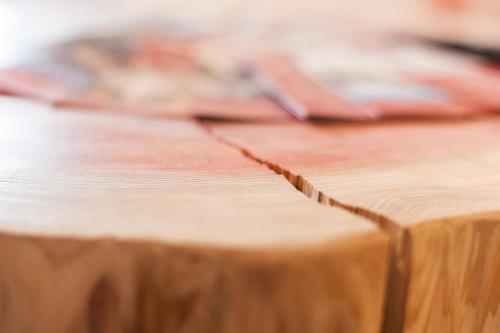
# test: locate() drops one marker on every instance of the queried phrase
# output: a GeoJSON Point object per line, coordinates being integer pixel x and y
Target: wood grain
{"type": "Point", "coordinates": [403, 175]}
{"type": "Point", "coordinates": [456, 268]}
{"type": "Point", "coordinates": [144, 225]}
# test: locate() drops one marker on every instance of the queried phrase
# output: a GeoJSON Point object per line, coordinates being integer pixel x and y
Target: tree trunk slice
{"type": "Point", "coordinates": [433, 186]}
{"type": "Point", "coordinates": [117, 224]}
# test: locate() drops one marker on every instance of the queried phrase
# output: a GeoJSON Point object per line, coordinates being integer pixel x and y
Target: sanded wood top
{"type": "Point", "coordinates": [409, 171]}
{"type": "Point", "coordinates": [70, 173]}
{"type": "Point", "coordinates": [111, 223]}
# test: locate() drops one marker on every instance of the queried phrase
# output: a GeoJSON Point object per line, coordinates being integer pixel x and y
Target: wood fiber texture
{"type": "Point", "coordinates": [126, 224]}
{"type": "Point", "coordinates": [434, 186]}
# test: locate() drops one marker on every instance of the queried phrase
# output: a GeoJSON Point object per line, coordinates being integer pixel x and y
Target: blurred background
{"type": "Point", "coordinates": [27, 26]}
{"type": "Point", "coordinates": [28, 23]}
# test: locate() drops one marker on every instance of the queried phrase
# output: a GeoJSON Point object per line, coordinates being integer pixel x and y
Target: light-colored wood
{"type": "Point", "coordinates": [146, 225]}
{"type": "Point", "coordinates": [425, 182]}
{"type": "Point", "coordinates": [455, 273]}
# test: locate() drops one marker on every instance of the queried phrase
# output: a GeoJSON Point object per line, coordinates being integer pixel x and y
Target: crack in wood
{"type": "Point", "coordinates": [400, 239]}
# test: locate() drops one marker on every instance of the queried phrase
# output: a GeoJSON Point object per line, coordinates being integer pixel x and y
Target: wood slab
{"type": "Point", "coordinates": [118, 224]}
{"type": "Point", "coordinates": [434, 186]}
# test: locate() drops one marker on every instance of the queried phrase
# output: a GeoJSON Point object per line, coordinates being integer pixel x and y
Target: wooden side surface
{"type": "Point", "coordinates": [457, 268]}
{"type": "Point", "coordinates": [61, 285]}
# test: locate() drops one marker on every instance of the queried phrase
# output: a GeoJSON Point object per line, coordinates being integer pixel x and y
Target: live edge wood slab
{"type": "Point", "coordinates": [433, 186]}
{"type": "Point", "coordinates": [111, 223]}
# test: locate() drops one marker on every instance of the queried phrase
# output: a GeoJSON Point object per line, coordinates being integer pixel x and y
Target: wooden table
{"type": "Point", "coordinates": [122, 223]}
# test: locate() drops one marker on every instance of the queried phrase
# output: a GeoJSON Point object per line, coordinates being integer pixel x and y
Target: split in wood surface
{"type": "Point", "coordinates": [429, 183]}
{"type": "Point", "coordinates": [116, 223]}
{"type": "Point", "coordinates": [144, 225]}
